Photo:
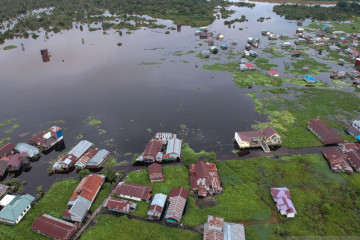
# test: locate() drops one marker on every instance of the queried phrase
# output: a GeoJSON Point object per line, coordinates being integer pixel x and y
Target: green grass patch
{"type": "Point", "coordinates": [105, 190]}
{"type": "Point", "coordinates": [94, 122]}
{"type": "Point", "coordinates": [264, 64]}
{"type": "Point", "coordinates": [111, 227]}
{"type": "Point", "coordinates": [189, 156]}
{"type": "Point", "coordinates": [53, 203]}
{"type": "Point", "coordinates": [290, 116]}
{"type": "Point", "coordinates": [274, 53]}
{"type": "Point", "coordinates": [10, 130]}
{"type": "Point", "coordinates": [315, 67]}
{"type": "Point", "coordinates": [4, 140]}
{"type": "Point", "coordinates": [4, 123]}
{"type": "Point", "coordinates": [184, 61]}
{"type": "Point", "coordinates": [9, 47]}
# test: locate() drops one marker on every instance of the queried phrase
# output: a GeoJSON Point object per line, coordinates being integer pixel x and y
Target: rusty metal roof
{"type": "Point", "coordinates": [337, 160]}
{"type": "Point", "coordinates": [324, 132]}
{"type": "Point", "coordinates": [6, 149]}
{"type": "Point", "coordinates": [134, 190]}
{"type": "Point", "coordinates": [204, 178]}
{"type": "Point", "coordinates": [53, 227]}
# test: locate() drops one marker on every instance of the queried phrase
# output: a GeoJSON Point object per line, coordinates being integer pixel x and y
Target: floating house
{"type": "Point", "coordinates": [197, 33]}
{"type": "Point", "coordinates": [45, 55]}
{"type": "Point", "coordinates": [273, 37]}
{"type": "Point", "coordinates": [299, 30]}
{"type": "Point", "coordinates": [260, 138]}
{"type": "Point", "coordinates": [247, 47]}
{"type": "Point", "coordinates": [300, 41]}
{"type": "Point", "coordinates": [243, 67]}
{"type": "Point", "coordinates": [83, 197]}
{"type": "Point", "coordinates": [285, 45]}
{"type": "Point", "coordinates": [203, 35]}
{"type": "Point", "coordinates": [210, 41]}
{"type": "Point", "coordinates": [224, 46]}
{"type": "Point", "coordinates": [283, 201]}
{"type": "Point", "coordinates": [177, 198]}
{"type": "Point", "coordinates": [54, 227]}
{"type": "Point", "coordinates": [253, 42]}
{"type": "Point", "coordinates": [338, 74]}
{"type": "Point", "coordinates": [215, 228]}
{"type": "Point", "coordinates": [155, 173]}
{"type": "Point", "coordinates": [205, 53]}
{"type": "Point", "coordinates": [157, 206]}
{"type": "Point", "coordinates": [309, 79]}
{"type": "Point", "coordinates": [45, 140]}
{"type": "Point", "coordinates": [81, 163]}
{"type": "Point", "coordinates": [214, 50]}
{"type": "Point", "coordinates": [98, 160]}
{"type": "Point", "coordinates": [134, 191]}
{"type": "Point", "coordinates": [31, 151]}
{"type": "Point", "coordinates": [16, 161]}
{"type": "Point", "coordinates": [250, 53]}
{"type": "Point", "coordinates": [296, 53]}
{"type": "Point", "coordinates": [219, 36]}
{"type": "Point", "coordinates": [15, 208]}
{"type": "Point", "coordinates": [324, 132]}
{"type": "Point", "coordinates": [68, 160]}
{"type": "Point", "coordinates": [265, 32]}
{"type": "Point", "coordinates": [250, 66]}
{"type": "Point", "coordinates": [204, 179]}
{"type": "Point", "coordinates": [120, 205]}
{"type": "Point", "coordinates": [341, 62]}
{"type": "Point", "coordinates": [273, 73]}
{"type": "Point", "coordinates": [299, 22]}
{"type": "Point", "coordinates": [337, 160]}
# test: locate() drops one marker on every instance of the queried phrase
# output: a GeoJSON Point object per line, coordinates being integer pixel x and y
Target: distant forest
{"type": "Point", "coordinates": [342, 11]}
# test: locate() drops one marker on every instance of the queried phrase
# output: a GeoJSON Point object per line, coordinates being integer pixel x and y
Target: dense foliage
{"type": "Point", "coordinates": [342, 11]}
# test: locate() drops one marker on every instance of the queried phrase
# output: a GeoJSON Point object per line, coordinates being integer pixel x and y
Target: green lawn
{"type": "Point", "coordinates": [315, 67]}
{"type": "Point", "coordinates": [111, 227]}
{"type": "Point", "coordinates": [264, 64]}
{"type": "Point", "coordinates": [53, 203]}
{"type": "Point", "coordinates": [105, 190]}
{"type": "Point", "coordinates": [290, 116]}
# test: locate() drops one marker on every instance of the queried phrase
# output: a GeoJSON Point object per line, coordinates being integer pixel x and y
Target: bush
{"type": "Point", "coordinates": [82, 173]}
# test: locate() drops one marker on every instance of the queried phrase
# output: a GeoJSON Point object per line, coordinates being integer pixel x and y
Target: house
{"type": "Point", "coordinates": [285, 45]}
{"type": "Point", "coordinates": [260, 138]}
{"type": "Point", "coordinates": [120, 205]}
{"type": "Point", "coordinates": [214, 50]}
{"type": "Point", "coordinates": [15, 208]}
{"type": "Point", "coordinates": [273, 37]}
{"type": "Point", "coordinates": [299, 22]}
{"type": "Point", "coordinates": [69, 159]}
{"type": "Point", "coordinates": [334, 48]}
{"type": "Point", "coordinates": [152, 150]}
{"type": "Point", "coordinates": [353, 132]}
{"type": "Point", "coordinates": [157, 206]}
{"type": "Point", "coordinates": [16, 160]}
{"type": "Point", "coordinates": [99, 158]}
{"type": "Point", "coordinates": [296, 53]}
{"type": "Point", "coordinates": [83, 197]}
{"type": "Point", "coordinates": [309, 79]}
{"type": "Point", "coordinates": [300, 41]}
{"type": "Point", "coordinates": [204, 178]}
{"type": "Point", "coordinates": [353, 158]}
{"type": "Point", "coordinates": [250, 66]}
{"type": "Point", "coordinates": [203, 35]}
{"type": "Point", "coordinates": [173, 149]}
{"type": "Point", "coordinates": [283, 201]}
{"type": "Point", "coordinates": [134, 191]}
{"type": "Point", "coordinates": [205, 53]}
{"type": "Point", "coordinates": [224, 46]}
{"type": "Point", "coordinates": [3, 166]}
{"type": "Point", "coordinates": [337, 160]}
{"type": "Point", "coordinates": [54, 227]}
{"type": "Point", "coordinates": [299, 30]}
{"type": "Point", "coordinates": [346, 147]}
{"type": "Point", "coordinates": [177, 198]}
{"type": "Point", "coordinates": [6, 149]}
{"type": "Point", "coordinates": [248, 47]}
{"type": "Point", "coordinates": [324, 132]}
{"type": "Point", "coordinates": [243, 67]}
{"type": "Point", "coordinates": [273, 73]}
{"type": "Point", "coordinates": [210, 41]}
{"type": "Point", "coordinates": [356, 124]}
{"type": "Point", "coordinates": [219, 36]}
{"type": "Point", "coordinates": [338, 74]}
{"type": "Point", "coordinates": [45, 140]}
{"type": "Point", "coordinates": [155, 173]}
{"type": "Point", "coordinates": [3, 190]}
{"type": "Point", "coordinates": [31, 151]}
{"type": "Point", "coordinates": [81, 163]}
{"type": "Point", "coordinates": [215, 229]}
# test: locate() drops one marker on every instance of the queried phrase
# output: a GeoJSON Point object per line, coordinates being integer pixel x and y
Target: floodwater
{"type": "Point", "coordinates": [133, 100]}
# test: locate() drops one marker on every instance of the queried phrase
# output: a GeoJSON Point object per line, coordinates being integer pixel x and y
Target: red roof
{"type": "Point", "coordinates": [345, 147]}
{"type": "Point", "coordinates": [213, 235]}
{"type": "Point", "coordinates": [155, 171]}
{"type": "Point", "coordinates": [354, 159]}
{"type": "Point", "coordinates": [153, 147]}
{"type": "Point", "coordinates": [119, 204]}
{"type": "Point", "coordinates": [134, 190]}
{"type": "Point", "coordinates": [337, 160]}
{"type": "Point", "coordinates": [88, 187]}
{"type": "Point", "coordinates": [7, 148]}
{"type": "Point", "coordinates": [273, 72]}
{"type": "Point", "coordinates": [280, 193]}
{"type": "Point", "coordinates": [87, 156]}
{"type": "Point", "coordinates": [324, 132]}
{"type": "Point", "coordinates": [249, 65]}
{"type": "Point", "coordinates": [179, 192]}
{"type": "Point", "coordinates": [53, 227]}
{"type": "Point", "coordinates": [204, 178]}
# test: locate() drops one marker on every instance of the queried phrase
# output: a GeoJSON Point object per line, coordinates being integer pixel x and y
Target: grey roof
{"type": "Point", "coordinates": [30, 150]}
{"type": "Point", "coordinates": [80, 208]}
{"type": "Point", "coordinates": [80, 148]}
{"type": "Point", "coordinates": [233, 231]}
{"type": "Point", "coordinates": [164, 135]}
{"type": "Point", "coordinates": [99, 158]}
{"type": "Point", "coordinates": [13, 210]}
{"type": "Point", "coordinates": [159, 199]}
{"type": "Point", "coordinates": [174, 146]}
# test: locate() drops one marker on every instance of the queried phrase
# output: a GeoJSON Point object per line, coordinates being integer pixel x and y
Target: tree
{"type": "Point", "coordinates": [110, 171]}
{"type": "Point", "coordinates": [83, 173]}
{"type": "Point", "coordinates": [39, 188]}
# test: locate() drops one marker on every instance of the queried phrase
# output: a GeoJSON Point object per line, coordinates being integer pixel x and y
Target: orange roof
{"type": "Point", "coordinates": [88, 187]}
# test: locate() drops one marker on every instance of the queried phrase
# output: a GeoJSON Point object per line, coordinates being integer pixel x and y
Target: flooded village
{"type": "Point", "coordinates": [134, 127]}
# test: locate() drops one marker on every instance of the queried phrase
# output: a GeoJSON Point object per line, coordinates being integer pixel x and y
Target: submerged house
{"type": "Point", "coordinates": [157, 206]}
{"type": "Point", "coordinates": [214, 50]}
{"type": "Point", "coordinates": [120, 205]}
{"type": "Point", "coordinates": [45, 140]}
{"type": "Point", "coordinates": [15, 208]}
{"type": "Point", "coordinates": [224, 46]}
{"type": "Point", "coordinates": [324, 132]}
{"type": "Point", "coordinates": [204, 178]}
{"type": "Point", "coordinates": [283, 201]}
{"type": "Point", "coordinates": [31, 151]}
{"type": "Point", "coordinates": [83, 197]}
{"type": "Point", "coordinates": [134, 191]}
{"type": "Point", "coordinates": [54, 227]}
{"type": "Point", "coordinates": [155, 173]}
{"type": "Point", "coordinates": [177, 199]}
{"type": "Point", "coordinates": [216, 229]}
{"type": "Point", "coordinates": [260, 138]}
{"type": "Point", "coordinates": [69, 159]}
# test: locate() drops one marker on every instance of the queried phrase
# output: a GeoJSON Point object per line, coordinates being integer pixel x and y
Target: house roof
{"type": "Point", "coordinates": [99, 158]}
{"type": "Point", "coordinates": [213, 235]}
{"type": "Point", "coordinates": [134, 190]}
{"type": "Point", "coordinates": [6, 148]}
{"type": "Point", "coordinates": [328, 136]}
{"type": "Point", "coordinates": [80, 148]}
{"type": "Point", "coordinates": [267, 132]}
{"type": "Point", "coordinates": [234, 231]}
{"type": "Point", "coordinates": [178, 192]}
{"type": "Point", "coordinates": [176, 208]}
{"type": "Point", "coordinates": [15, 160]}
{"type": "Point", "coordinates": [164, 136]}
{"type": "Point", "coordinates": [273, 72]}
{"type": "Point", "coordinates": [218, 221]}
{"type": "Point", "coordinates": [354, 159]}
{"type": "Point", "coordinates": [88, 187]}
{"type": "Point", "coordinates": [3, 189]}
{"type": "Point", "coordinates": [119, 204]}
{"type": "Point", "coordinates": [344, 147]}
{"type": "Point", "coordinates": [153, 147]}
{"type": "Point", "coordinates": [157, 204]}
{"type": "Point", "coordinates": [337, 160]}
{"type": "Point", "coordinates": [54, 227]}
{"type": "Point", "coordinates": [30, 150]}
{"type": "Point", "coordinates": [202, 176]}
{"type": "Point", "coordinates": [79, 209]}
{"type": "Point", "coordinates": [155, 168]}
{"type": "Point", "coordinates": [249, 65]}
{"type": "Point", "coordinates": [280, 192]}
{"type": "Point", "coordinates": [285, 204]}
{"type": "Point", "coordinates": [174, 146]}
{"type": "Point", "coordinates": [86, 158]}
{"type": "Point", "coordinates": [14, 209]}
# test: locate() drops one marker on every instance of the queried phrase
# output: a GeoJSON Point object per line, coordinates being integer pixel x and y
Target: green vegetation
{"type": "Point", "coordinates": [273, 52]}
{"type": "Point", "coordinates": [189, 156]}
{"type": "Point", "coordinates": [149, 63]}
{"type": "Point", "coordinates": [10, 130]}
{"type": "Point", "coordinates": [94, 122]}
{"type": "Point", "coordinates": [119, 44]}
{"type": "Point", "coordinates": [107, 227]}
{"type": "Point", "coordinates": [105, 190]}
{"type": "Point", "coordinates": [82, 173]}
{"type": "Point", "coordinates": [226, 13]}
{"type": "Point", "coordinates": [80, 136]}
{"type": "Point", "coordinates": [4, 140]}
{"type": "Point", "coordinates": [314, 67]}
{"type": "Point", "coordinates": [9, 47]}
{"type": "Point", "coordinates": [290, 113]}
{"type": "Point", "coordinates": [264, 64]}
{"type": "Point", "coordinates": [53, 203]}
{"type": "Point", "coordinates": [110, 171]}
{"type": "Point", "coordinates": [4, 123]}
{"type": "Point", "coordinates": [341, 12]}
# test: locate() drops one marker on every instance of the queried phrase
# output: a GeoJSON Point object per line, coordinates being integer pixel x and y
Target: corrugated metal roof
{"type": "Point", "coordinates": [81, 163]}
{"type": "Point", "coordinates": [53, 227]}
{"type": "Point", "coordinates": [80, 148]}
{"type": "Point", "coordinates": [99, 158]}
{"type": "Point", "coordinates": [134, 190]}
{"type": "Point", "coordinates": [159, 199]}
{"type": "Point", "coordinates": [174, 147]}
{"type": "Point", "coordinates": [176, 208]}
{"type": "Point", "coordinates": [16, 207]}
{"type": "Point", "coordinates": [165, 135]}
{"type": "Point", "coordinates": [30, 150]}
{"type": "Point", "coordinates": [234, 231]}
{"type": "Point", "coordinates": [327, 135]}
{"type": "Point", "coordinates": [7, 148]}
{"type": "Point", "coordinates": [80, 208]}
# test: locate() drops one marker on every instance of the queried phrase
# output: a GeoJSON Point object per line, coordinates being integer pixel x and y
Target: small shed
{"type": "Point", "coordinates": [341, 62]}
{"type": "Point", "coordinates": [299, 30]}
{"type": "Point", "coordinates": [250, 66]}
{"type": "Point", "coordinates": [310, 79]}
{"type": "Point", "coordinates": [243, 67]}
{"type": "Point", "coordinates": [273, 73]}
{"type": "Point", "coordinates": [210, 41]}
{"type": "Point", "coordinates": [224, 46]}
{"type": "Point", "coordinates": [296, 53]}
{"type": "Point", "coordinates": [205, 53]}
{"type": "Point", "coordinates": [285, 44]}
{"type": "Point", "coordinates": [214, 50]}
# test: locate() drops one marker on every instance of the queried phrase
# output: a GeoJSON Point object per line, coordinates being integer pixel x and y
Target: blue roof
{"type": "Point", "coordinates": [324, 27]}
{"type": "Point", "coordinates": [224, 44]}
{"type": "Point", "coordinates": [358, 138]}
{"type": "Point", "coordinates": [310, 79]}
